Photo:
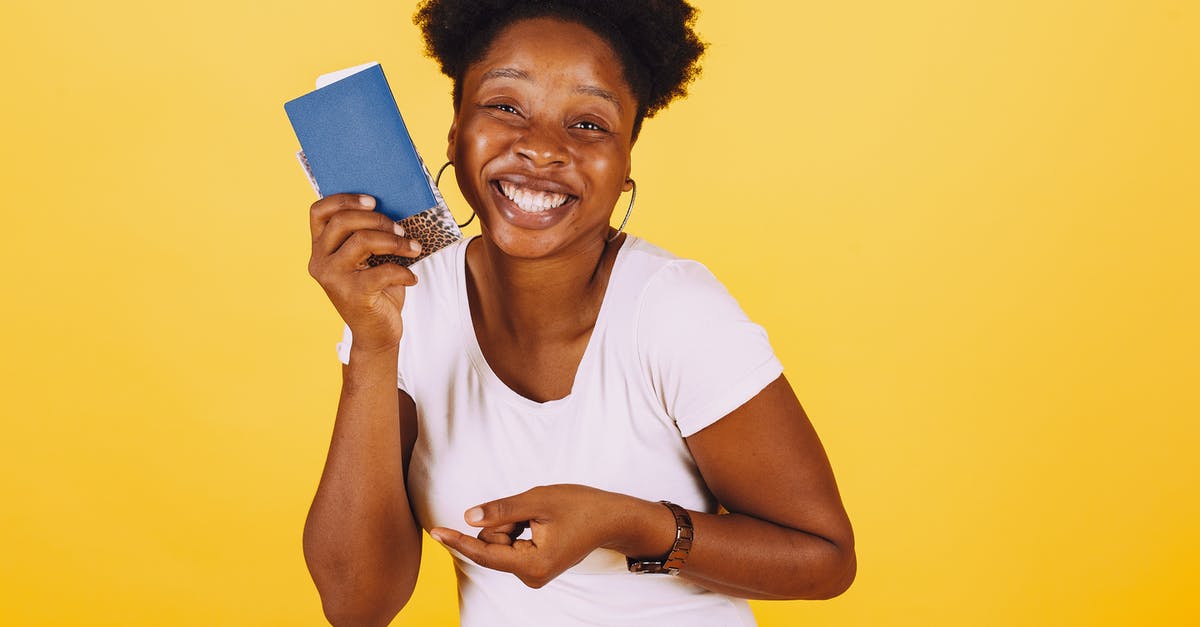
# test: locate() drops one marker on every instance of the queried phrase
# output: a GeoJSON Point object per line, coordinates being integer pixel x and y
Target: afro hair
{"type": "Point", "coordinates": [654, 39]}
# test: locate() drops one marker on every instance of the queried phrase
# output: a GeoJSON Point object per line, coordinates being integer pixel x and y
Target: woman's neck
{"type": "Point", "coordinates": [538, 300]}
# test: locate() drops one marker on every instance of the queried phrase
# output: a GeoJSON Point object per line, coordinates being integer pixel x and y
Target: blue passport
{"type": "Point", "coordinates": [354, 140]}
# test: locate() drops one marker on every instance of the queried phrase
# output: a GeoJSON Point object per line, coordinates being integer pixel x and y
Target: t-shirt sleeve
{"type": "Point", "coordinates": [703, 355]}
{"type": "Point", "coordinates": [343, 351]}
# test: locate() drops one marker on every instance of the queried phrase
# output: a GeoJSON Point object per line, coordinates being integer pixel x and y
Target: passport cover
{"type": "Point", "coordinates": [354, 140]}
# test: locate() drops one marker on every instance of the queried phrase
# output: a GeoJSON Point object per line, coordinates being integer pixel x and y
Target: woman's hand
{"type": "Point", "coordinates": [567, 522]}
{"type": "Point", "coordinates": [785, 534]}
{"type": "Point", "coordinates": [345, 233]}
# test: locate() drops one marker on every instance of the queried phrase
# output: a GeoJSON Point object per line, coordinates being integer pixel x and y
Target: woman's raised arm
{"type": "Point", "coordinates": [361, 542]}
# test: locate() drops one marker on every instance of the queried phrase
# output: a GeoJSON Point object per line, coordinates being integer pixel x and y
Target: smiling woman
{"type": "Point", "coordinates": [556, 375]}
{"type": "Point", "coordinates": [542, 124]}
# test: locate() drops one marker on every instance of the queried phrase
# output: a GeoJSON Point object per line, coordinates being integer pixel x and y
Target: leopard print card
{"type": "Point", "coordinates": [435, 228]}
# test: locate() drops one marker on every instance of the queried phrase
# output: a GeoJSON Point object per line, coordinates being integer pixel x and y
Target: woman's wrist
{"type": "Point", "coordinates": [364, 355]}
{"type": "Point", "coordinates": [369, 368]}
{"type": "Point", "coordinates": [642, 529]}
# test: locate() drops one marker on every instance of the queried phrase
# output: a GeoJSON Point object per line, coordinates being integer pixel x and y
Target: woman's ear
{"type": "Point", "coordinates": [450, 137]}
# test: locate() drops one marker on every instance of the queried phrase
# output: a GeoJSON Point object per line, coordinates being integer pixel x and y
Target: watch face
{"type": "Point", "coordinates": [644, 567]}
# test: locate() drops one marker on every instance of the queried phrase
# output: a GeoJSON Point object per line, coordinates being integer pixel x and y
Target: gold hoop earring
{"type": "Point", "coordinates": [632, 198]}
{"type": "Point", "coordinates": [438, 182]}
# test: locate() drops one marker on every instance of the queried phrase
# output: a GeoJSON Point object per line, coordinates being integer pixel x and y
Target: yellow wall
{"type": "Point", "coordinates": [969, 228]}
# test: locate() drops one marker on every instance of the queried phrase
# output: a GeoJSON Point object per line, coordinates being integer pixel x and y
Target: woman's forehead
{"type": "Point", "coordinates": [550, 49]}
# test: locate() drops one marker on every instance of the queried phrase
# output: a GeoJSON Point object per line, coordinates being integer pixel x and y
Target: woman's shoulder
{"type": "Point", "coordinates": [666, 278]}
{"type": "Point", "coordinates": [703, 355]}
{"type": "Point", "coordinates": [652, 262]}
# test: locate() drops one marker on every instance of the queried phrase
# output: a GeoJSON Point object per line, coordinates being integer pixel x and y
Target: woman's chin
{"type": "Point", "coordinates": [565, 238]}
{"type": "Point", "coordinates": [523, 243]}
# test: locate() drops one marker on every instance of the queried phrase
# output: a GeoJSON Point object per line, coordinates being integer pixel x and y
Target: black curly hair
{"type": "Point", "coordinates": [654, 39]}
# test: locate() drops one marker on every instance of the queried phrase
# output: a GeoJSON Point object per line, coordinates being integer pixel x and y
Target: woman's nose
{"type": "Point", "coordinates": [542, 147]}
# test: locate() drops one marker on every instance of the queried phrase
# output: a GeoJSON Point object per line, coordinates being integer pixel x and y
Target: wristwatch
{"type": "Point", "coordinates": [673, 560]}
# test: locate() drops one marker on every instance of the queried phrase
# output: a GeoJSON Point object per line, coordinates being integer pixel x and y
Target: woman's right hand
{"type": "Point", "coordinates": [345, 233]}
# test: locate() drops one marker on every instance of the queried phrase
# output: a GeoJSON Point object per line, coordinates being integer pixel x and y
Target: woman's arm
{"type": "Point", "coordinates": [361, 542]}
{"type": "Point", "coordinates": [787, 535]}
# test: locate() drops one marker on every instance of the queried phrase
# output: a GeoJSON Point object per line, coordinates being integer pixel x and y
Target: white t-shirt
{"type": "Point", "coordinates": [671, 353]}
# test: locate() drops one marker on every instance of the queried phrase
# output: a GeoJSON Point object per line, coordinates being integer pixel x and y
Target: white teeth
{"type": "Point", "coordinates": [532, 200]}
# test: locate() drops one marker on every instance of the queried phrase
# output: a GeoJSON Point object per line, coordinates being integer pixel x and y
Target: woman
{"type": "Point", "coordinates": [557, 377]}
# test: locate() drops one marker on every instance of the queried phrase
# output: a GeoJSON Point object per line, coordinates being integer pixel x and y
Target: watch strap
{"type": "Point", "coordinates": [674, 559]}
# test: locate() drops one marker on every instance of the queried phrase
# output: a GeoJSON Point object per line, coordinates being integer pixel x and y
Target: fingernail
{"type": "Point", "coordinates": [437, 535]}
{"type": "Point", "coordinates": [367, 201]}
{"type": "Point", "coordinates": [398, 229]}
{"type": "Point", "coordinates": [415, 246]}
{"type": "Point", "coordinates": [475, 514]}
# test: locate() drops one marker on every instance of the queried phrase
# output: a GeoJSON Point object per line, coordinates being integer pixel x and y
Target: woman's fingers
{"type": "Point", "coordinates": [521, 558]}
{"type": "Point", "coordinates": [567, 522]}
{"type": "Point", "coordinates": [386, 279]}
{"type": "Point", "coordinates": [341, 225]}
{"type": "Point", "coordinates": [321, 211]}
{"type": "Point", "coordinates": [345, 234]}
{"type": "Point", "coordinates": [387, 275]}
{"type": "Point", "coordinates": [518, 508]}
{"type": "Point", "coordinates": [352, 254]}
{"type": "Point", "coordinates": [361, 245]}
{"type": "Point", "coordinates": [503, 534]}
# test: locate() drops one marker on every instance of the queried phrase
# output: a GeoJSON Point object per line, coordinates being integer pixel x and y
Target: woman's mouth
{"type": "Point", "coordinates": [532, 200]}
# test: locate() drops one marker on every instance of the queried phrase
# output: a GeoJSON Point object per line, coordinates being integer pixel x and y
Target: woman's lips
{"type": "Point", "coordinates": [531, 199]}
{"type": "Point", "coordinates": [528, 207]}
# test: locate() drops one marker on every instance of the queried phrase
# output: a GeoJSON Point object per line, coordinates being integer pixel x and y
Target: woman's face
{"type": "Point", "coordinates": [542, 137]}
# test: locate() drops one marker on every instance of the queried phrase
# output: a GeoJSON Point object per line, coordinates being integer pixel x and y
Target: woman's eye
{"type": "Point", "coordinates": [505, 108]}
{"type": "Point", "coordinates": [590, 126]}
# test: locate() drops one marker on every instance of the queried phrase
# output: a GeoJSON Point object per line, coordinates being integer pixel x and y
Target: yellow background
{"type": "Point", "coordinates": [970, 229]}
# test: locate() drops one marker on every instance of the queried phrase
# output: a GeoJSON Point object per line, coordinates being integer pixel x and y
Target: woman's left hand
{"type": "Point", "coordinates": [567, 523]}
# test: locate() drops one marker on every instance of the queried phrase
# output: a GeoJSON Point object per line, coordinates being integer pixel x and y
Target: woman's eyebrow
{"type": "Point", "coordinates": [505, 72]}
{"type": "Point", "coordinates": [592, 90]}
{"type": "Point", "coordinates": [587, 90]}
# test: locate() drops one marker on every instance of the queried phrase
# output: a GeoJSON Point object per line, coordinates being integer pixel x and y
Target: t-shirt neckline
{"type": "Point", "coordinates": [491, 379]}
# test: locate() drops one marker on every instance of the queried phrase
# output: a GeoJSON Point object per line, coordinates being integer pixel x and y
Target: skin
{"type": "Point", "coordinates": [553, 115]}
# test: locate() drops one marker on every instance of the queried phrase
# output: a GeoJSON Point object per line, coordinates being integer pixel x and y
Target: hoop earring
{"type": "Point", "coordinates": [632, 198]}
{"type": "Point", "coordinates": [438, 182]}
